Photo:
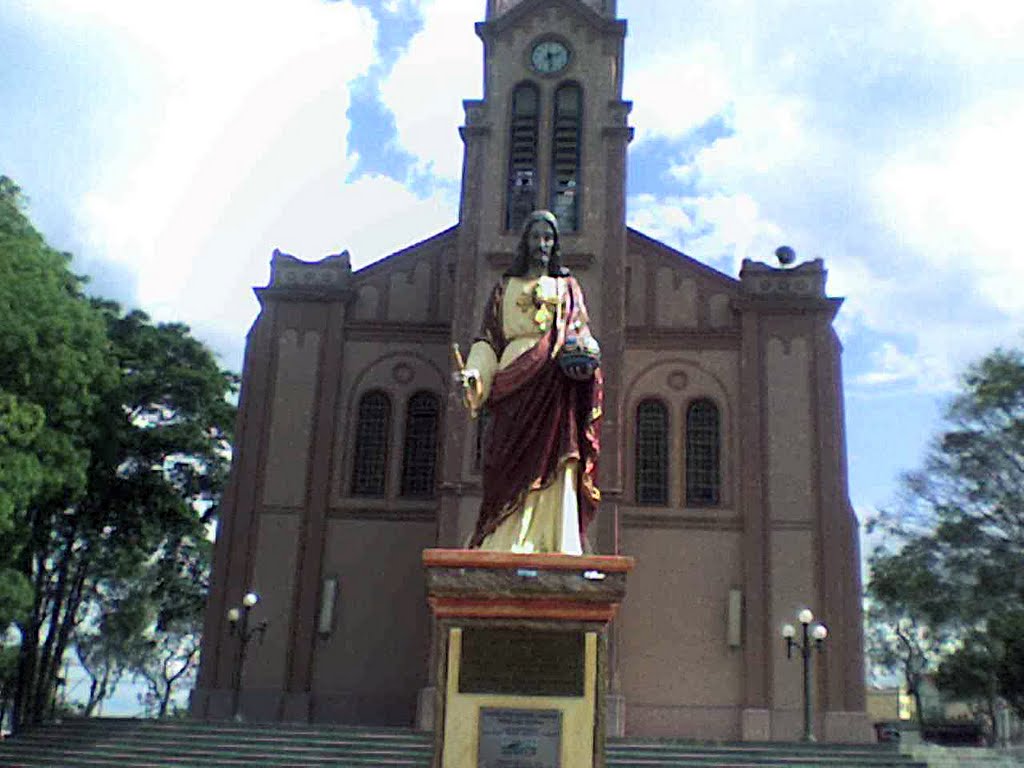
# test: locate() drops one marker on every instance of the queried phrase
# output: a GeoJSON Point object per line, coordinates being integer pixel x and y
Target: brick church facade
{"type": "Point", "coordinates": [723, 469]}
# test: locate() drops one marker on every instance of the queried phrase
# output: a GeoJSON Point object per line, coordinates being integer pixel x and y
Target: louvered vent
{"type": "Point", "coordinates": [522, 163]}
{"type": "Point", "coordinates": [565, 158]}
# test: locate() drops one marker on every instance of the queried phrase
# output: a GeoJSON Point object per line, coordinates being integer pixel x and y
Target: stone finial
{"type": "Point", "coordinates": [785, 255]}
{"type": "Point", "coordinates": [330, 274]}
{"type": "Point", "coordinates": [804, 281]}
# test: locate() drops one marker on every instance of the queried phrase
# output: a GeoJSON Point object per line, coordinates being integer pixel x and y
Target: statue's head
{"type": "Point", "coordinates": [538, 245]}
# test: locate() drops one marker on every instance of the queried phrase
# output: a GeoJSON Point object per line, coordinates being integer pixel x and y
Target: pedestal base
{"type": "Point", "coordinates": [522, 663]}
{"type": "Point", "coordinates": [425, 708]}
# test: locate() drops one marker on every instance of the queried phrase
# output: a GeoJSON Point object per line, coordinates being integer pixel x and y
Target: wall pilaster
{"type": "Point", "coordinates": [272, 515]}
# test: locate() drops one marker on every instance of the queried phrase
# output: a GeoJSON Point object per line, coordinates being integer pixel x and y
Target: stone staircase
{"type": "Point", "coordinates": [110, 742]}
{"type": "Point", "coordinates": [965, 757]}
{"type": "Point", "coordinates": [640, 753]}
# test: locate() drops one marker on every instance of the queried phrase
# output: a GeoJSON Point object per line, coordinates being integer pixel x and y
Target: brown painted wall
{"type": "Point", "coordinates": [679, 676]}
{"type": "Point", "coordinates": [371, 666]}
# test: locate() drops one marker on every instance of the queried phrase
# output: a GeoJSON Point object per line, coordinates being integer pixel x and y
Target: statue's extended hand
{"type": "Point", "coordinates": [472, 388]}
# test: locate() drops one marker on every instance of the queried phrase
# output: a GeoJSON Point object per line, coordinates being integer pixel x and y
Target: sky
{"type": "Point", "coordinates": [170, 147]}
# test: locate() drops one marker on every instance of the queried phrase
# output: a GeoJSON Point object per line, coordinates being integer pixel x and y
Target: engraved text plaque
{"type": "Point", "coordinates": [520, 738]}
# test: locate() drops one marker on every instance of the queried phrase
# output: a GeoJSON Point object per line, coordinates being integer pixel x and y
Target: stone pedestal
{"type": "Point", "coordinates": [522, 667]}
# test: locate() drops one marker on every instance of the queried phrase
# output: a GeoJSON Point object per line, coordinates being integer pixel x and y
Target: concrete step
{"type": "Point", "coordinates": [64, 755]}
{"type": "Point", "coordinates": [250, 742]}
{"type": "Point", "coordinates": [125, 743]}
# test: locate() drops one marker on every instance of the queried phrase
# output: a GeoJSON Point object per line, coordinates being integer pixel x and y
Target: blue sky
{"type": "Point", "coordinates": [171, 147]}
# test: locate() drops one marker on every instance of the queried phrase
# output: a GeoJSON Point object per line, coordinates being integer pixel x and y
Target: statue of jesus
{"type": "Point", "coordinates": [536, 368]}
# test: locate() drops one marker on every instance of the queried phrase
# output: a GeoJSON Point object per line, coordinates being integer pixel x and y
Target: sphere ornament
{"type": "Point", "coordinates": [580, 357]}
{"type": "Point", "coordinates": [785, 255]}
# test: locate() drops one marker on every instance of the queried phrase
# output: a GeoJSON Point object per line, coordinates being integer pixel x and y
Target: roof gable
{"type": "Point", "coordinates": [406, 257]}
{"type": "Point", "coordinates": [639, 243]}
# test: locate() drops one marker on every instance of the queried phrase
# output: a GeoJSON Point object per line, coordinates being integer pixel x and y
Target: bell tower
{"type": "Point", "coordinates": [550, 132]}
{"type": "Point", "coordinates": [552, 86]}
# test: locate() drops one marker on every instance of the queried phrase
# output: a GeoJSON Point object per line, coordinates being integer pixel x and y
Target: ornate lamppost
{"type": "Point", "coordinates": [238, 618]}
{"type": "Point", "coordinates": [818, 634]}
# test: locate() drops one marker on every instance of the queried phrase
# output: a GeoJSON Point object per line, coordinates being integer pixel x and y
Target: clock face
{"type": "Point", "coordinates": [549, 56]}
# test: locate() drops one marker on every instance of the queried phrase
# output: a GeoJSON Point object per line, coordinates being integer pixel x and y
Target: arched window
{"type": "Point", "coordinates": [703, 466]}
{"type": "Point", "coordinates": [482, 422]}
{"type": "Point", "coordinates": [522, 157]}
{"type": "Point", "coordinates": [419, 465]}
{"type": "Point", "coordinates": [373, 425]}
{"type": "Point", "coordinates": [565, 157]}
{"type": "Point", "coordinates": [651, 453]}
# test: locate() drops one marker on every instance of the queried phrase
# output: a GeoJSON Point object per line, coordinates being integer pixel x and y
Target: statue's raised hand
{"type": "Point", "coordinates": [472, 387]}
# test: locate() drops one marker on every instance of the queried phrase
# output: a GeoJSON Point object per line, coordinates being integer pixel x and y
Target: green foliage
{"type": "Point", "coordinates": [1006, 635]}
{"type": "Point", "coordinates": [114, 447]}
{"type": "Point", "coordinates": [952, 561]}
{"type": "Point", "coordinates": [969, 672]}
{"type": "Point", "coordinates": [156, 475]}
{"type": "Point", "coordinates": [55, 365]}
{"type": "Point", "coordinates": [20, 478]}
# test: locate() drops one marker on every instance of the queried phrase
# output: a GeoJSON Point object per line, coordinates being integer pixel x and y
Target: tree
{"type": "Point", "coordinates": [56, 367]}
{"type": "Point", "coordinates": [148, 627]}
{"type": "Point", "coordinates": [21, 426]}
{"type": "Point", "coordinates": [135, 544]}
{"type": "Point", "coordinates": [131, 453]}
{"type": "Point", "coordinates": [1008, 633]}
{"type": "Point", "coordinates": [955, 566]}
{"type": "Point", "coordinates": [969, 674]}
{"type": "Point", "coordinates": [906, 616]}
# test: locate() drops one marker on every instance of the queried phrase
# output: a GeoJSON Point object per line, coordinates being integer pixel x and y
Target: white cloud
{"type": "Point", "coordinates": [987, 21]}
{"type": "Point", "coordinates": [677, 90]}
{"type": "Point", "coordinates": [883, 138]}
{"type": "Point", "coordinates": [892, 365]}
{"type": "Point", "coordinates": [425, 88]}
{"type": "Point", "coordinates": [956, 199]}
{"type": "Point", "coordinates": [377, 216]}
{"type": "Point", "coordinates": [236, 145]}
{"type": "Point", "coordinates": [722, 229]}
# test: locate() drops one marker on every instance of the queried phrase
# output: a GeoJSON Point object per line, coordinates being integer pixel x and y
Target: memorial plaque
{"type": "Point", "coordinates": [521, 662]}
{"type": "Point", "coordinates": [520, 738]}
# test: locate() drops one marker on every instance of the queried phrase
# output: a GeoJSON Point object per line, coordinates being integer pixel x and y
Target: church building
{"type": "Point", "coordinates": [723, 465]}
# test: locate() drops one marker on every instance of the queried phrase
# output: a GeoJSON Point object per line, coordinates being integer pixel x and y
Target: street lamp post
{"type": "Point", "coordinates": [238, 619]}
{"type": "Point", "coordinates": [818, 633]}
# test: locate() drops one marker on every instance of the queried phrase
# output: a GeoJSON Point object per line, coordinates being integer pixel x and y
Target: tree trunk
{"type": "Point", "coordinates": [24, 689]}
{"type": "Point", "coordinates": [98, 690]}
{"type": "Point", "coordinates": [67, 624]}
{"type": "Point", "coordinates": [165, 699]}
{"type": "Point", "coordinates": [45, 669]}
{"type": "Point", "coordinates": [991, 711]}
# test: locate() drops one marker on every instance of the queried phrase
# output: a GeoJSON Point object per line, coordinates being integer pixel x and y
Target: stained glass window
{"type": "Point", "coordinates": [369, 469]}
{"type": "Point", "coordinates": [419, 466]}
{"type": "Point", "coordinates": [703, 452]}
{"type": "Point", "coordinates": [651, 453]}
